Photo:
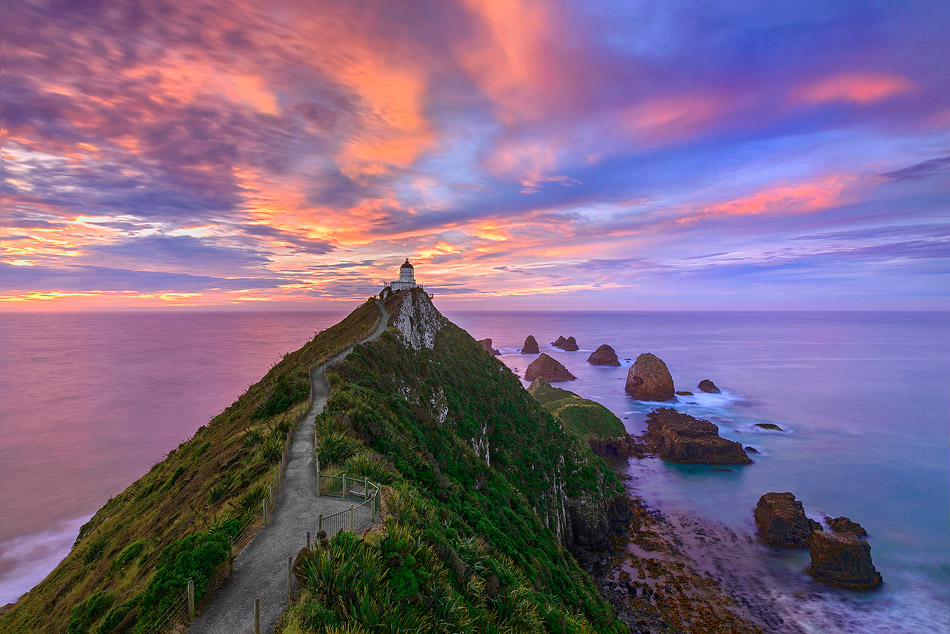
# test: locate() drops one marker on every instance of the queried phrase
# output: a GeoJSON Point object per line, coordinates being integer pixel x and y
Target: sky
{"type": "Point", "coordinates": [525, 155]}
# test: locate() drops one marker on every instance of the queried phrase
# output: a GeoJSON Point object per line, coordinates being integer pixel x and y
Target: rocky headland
{"type": "Point", "coordinates": [679, 437]}
{"type": "Point", "coordinates": [548, 368]}
{"type": "Point", "coordinates": [649, 379]}
{"type": "Point", "coordinates": [604, 355]}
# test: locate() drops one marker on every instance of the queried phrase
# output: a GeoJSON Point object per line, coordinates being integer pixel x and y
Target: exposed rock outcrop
{"type": "Point", "coordinates": [418, 321]}
{"type": "Point", "coordinates": [530, 346]}
{"type": "Point", "coordinates": [845, 525]}
{"type": "Point", "coordinates": [649, 379]}
{"type": "Point", "coordinates": [625, 446]}
{"type": "Point", "coordinates": [568, 345]}
{"type": "Point", "coordinates": [604, 355]}
{"type": "Point", "coordinates": [549, 369]}
{"type": "Point", "coordinates": [782, 522]}
{"type": "Point", "coordinates": [709, 387]}
{"type": "Point", "coordinates": [682, 438]}
{"type": "Point", "coordinates": [842, 560]}
{"type": "Point", "coordinates": [486, 344]}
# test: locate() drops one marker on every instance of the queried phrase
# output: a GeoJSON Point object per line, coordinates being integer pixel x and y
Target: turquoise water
{"type": "Point", "coordinates": [90, 401]}
{"type": "Point", "coordinates": [864, 402]}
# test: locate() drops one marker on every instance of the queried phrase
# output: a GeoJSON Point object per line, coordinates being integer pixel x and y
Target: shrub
{"type": "Point", "coordinates": [252, 437]}
{"type": "Point", "coordinates": [180, 469]}
{"type": "Point", "coordinates": [251, 502]}
{"type": "Point", "coordinates": [362, 464]}
{"type": "Point", "coordinates": [94, 550]}
{"type": "Point", "coordinates": [88, 612]}
{"type": "Point", "coordinates": [337, 447]}
{"type": "Point", "coordinates": [317, 616]}
{"type": "Point", "coordinates": [289, 389]}
{"type": "Point", "coordinates": [129, 553]}
{"type": "Point", "coordinates": [271, 450]}
{"type": "Point", "coordinates": [216, 492]}
{"type": "Point", "coordinates": [117, 614]}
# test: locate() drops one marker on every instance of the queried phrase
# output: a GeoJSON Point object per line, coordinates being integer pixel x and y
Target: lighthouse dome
{"type": "Point", "coordinates": [406, 265]}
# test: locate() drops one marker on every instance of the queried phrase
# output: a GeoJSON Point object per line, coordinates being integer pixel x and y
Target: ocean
{"type": "Point", "coordinates": [89, 401]}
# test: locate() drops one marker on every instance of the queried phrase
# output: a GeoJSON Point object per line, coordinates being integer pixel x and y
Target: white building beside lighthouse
{"type": "Point", "coordinates": [407, 278]}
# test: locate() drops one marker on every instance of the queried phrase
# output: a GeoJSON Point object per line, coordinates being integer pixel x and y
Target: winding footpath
{"type": "Point", "coordinates": [260, 570]}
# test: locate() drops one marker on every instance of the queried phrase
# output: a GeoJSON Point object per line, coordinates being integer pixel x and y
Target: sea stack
{"type": "Point", "coordinates": [604, 355]}
{"type": "Point", "coordinates": [845, 525]}
{"type": "Point", "coordinates": [486, 345]}
{"type": "Point", "coordinates": [842, 560]}
{"type": "Point", "coordinates": [682, 438]}
{"type": "Point", "coordinates": [649, 380]}
{"type": "Point", "coordinates": [547, 368]}
{"type": "Point", "coordinates": [782, 522]}
{"type": "Point", "coordinates": [530, 346]}
{"type": "Point", "coordinates": [709, 387]}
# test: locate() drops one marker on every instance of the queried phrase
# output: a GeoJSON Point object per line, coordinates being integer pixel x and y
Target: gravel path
{"type": "Point", "coordinates": [260, 570]}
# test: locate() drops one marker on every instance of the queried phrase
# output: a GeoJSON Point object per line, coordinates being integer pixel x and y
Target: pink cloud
{"type": "Point", "coordinates": [859, 88]}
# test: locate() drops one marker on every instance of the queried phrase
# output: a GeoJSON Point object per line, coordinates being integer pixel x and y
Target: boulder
{"type": "Point", "coordinates": [684, 393]}
{"type": "Point", "coordinates": [845, 525]}
{"type": "Point", "coordinates": [530, 346]}
{"type": "Point", "coordinates": [486, 344]}
{"type": "Point", "coordinates": [604, 355]}
{"type": "Point", "coordinates": [568, 345]}
{"type": "Point", "coordinates": [709, 387]}
{"type": "Point", "coordinates": [549, 369]}
{"type": "Point", "coordinates": [681, 438]}
{"type": "Point", "coordinates": [782, 522]}
{"type": "Point", "coordinates": [842, 560]}
{"type": "Point", "coordinates": [649, 380]}
{"type": "Point", "coordinates": [769, 426]}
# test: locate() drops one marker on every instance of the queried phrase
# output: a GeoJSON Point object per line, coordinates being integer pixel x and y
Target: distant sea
{"type": "Point", "coordinates": [89, 401]}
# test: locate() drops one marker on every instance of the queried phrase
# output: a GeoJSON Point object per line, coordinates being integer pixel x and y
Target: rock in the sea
{"type": "Point", "coordinates": [845, 525]}
{"type": "Point", "coordinates": [549, 369]}
{"type": "Point", "coordinates": [684, 393]}
{"type": "Point", "coordinates": [782, 522]}
{"type": "Point", "coordinates": [568, 345]}
{"type": "Point", "coordinates": [649, 380]}
{"type": "Point", "coordinates": [842, 560]}
{"type": "Point", "coordinates": [709, 387]}
{"type": "Point", "coordinates": [681, 438]}
{"type": "Point", "coordinates": [486, 344]}
{"type": "Point", "coordinates": [604, 355]}
{"type": "Point", "coordinates": [769, 426]}
{"type": "Point", "coordinates": [530, 346]}
{"type": "Point", "coordinates": [749, 449]}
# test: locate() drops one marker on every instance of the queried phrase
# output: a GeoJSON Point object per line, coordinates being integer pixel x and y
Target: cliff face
{"type": "Point", "coordinates": [460, 395]}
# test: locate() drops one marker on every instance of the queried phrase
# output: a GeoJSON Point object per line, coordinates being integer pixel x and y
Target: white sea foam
{"type": "Point", "coordinates": [26, 560]}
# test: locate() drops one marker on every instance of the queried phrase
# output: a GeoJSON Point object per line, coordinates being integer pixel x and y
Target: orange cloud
{"type": "Point", "coordinates": [861, 89]}
{"type": "Point", "coordinates": [801, 198]}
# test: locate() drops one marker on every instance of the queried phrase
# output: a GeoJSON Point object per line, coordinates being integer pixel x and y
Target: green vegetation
{"type": "Point", "coordinates": [202, 491]}
{"type": "Point", "coordinates": [584, 417]}
{"type": "Point", "coordinates": [466, 545]}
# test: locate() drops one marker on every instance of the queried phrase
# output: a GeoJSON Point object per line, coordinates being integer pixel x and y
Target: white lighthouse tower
{"type": "Point", "coordinates": [407, 278]}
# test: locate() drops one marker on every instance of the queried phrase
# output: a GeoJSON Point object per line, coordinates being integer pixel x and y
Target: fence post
{"type": "Point", "coordinates": [290, 579]}
{"type": "Point", "coordinates": [319, 491]}
{"type": "Point", "coordinates": [351, 516]}
{"type": "Point", "coordinates": [257, 616]}
{"type": "Point", "coordinates": [344, 486]}
{"type": "Point", "coordinates": [308, 540]}
{"type": "Point", "coordinates": [191, 600]}
{"type": "Point", "coordinates": [320, 522]}
{"type": "Point", "coordinates": [264, 506]}
{"type": "Point", "coordinates": [372, 505]}
{"type": "Point", "coordinates": [365, 488]}
{"type": "Point", "coordinates": [270, 493]}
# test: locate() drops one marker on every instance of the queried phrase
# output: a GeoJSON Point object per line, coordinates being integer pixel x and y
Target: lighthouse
{"type": "Point", "coordinates": [407, 278]}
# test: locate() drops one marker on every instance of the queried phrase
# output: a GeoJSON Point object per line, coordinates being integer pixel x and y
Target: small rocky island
{"type": "Point", "coordinates": [530, 345]}
{"type": "Point", "coordinates": [486, 345]}
{"type": "Point", "coordinates": [682, 438]}
{"type": "Point", "coordinates": [568, 345]}
{"type": "Point", "coordinates": [604, 355]}
{"type": "Point", "coordinates": [548, 368]}
{"type": "Point", "coordinates": [782, 522]}
{"type": "Point", "coordinates": [649, 379]}
{"type": "Point", "coordinates": [709, 387]}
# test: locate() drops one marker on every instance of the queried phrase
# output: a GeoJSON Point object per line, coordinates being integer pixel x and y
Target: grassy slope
{"type": "Point", "coordinates": [210, 484]}
{"type": "Point", "coordinates": [466, 546]}
{"type": "Point", "coordinates": [584, 417]}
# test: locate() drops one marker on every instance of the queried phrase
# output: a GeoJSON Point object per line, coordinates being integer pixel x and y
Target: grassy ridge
{"type": "Point", "coordinates": [137, 552]}
{"type": "Point", "coordinates": [584, 417]}
{"type": "Point", "coordinates": [481, 485]}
